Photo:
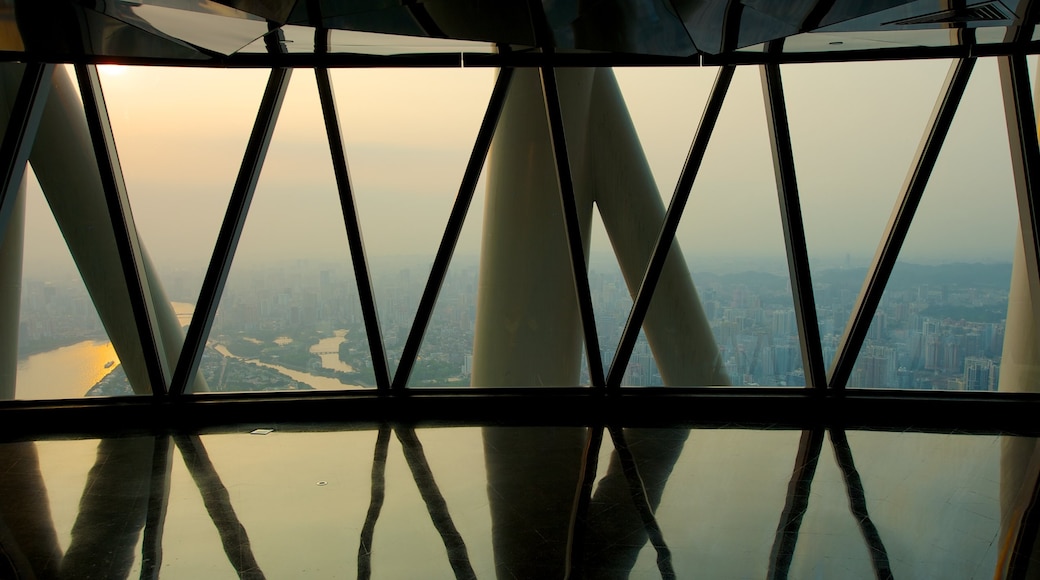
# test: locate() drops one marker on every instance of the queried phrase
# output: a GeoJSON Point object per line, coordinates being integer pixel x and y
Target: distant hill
{"type": "Point", "coordinates": [994, 275]}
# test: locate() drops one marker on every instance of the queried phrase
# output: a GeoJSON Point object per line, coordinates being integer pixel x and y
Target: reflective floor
{"type": "Point", "coordinates": [521, 503]}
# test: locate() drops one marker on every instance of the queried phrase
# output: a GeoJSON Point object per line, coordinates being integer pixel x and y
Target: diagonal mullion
{"type": "Point", "coordinates": [128, 243]}
{"type": "Point", "coordinates": [794, 230]}
{"type": "Point", "coordinates": [453, 229]}
{"type": "Point", "coordinates": [353, 225]}
{"type": "Point", "coordinates": [558, 140]}
{"type": "Point", "coordinates": [230, 230]}
{"type": "Point", "coordinates": [899, 223]}
{"type": "Point", "coordinates": [1025, 154]}
{"type": "Point", "coordinates": [641, 501]}
{"type": "Point", "coordinates": [652, 274]}
{"type": "Point", "coordinates": [21, 134]}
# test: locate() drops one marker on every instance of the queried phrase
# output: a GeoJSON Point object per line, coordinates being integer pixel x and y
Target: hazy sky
{"type": "Point", "coordinates": [855, 127]}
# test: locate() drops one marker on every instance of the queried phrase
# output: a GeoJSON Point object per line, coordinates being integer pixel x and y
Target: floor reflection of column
{"type": "Point", "coordinates": [621, 518]}
{"type": "Point", "coordinates": [1020, 456]}
{"type": "Point", "coordinates": [533, 474]}
{"type": "Point", "coordinates": [28, 542]}
{"type": "Point", "coordinates": [112, 510]}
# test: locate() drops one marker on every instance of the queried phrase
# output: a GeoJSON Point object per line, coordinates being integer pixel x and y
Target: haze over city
{"type": "Point", "coordinates": [181, 134]}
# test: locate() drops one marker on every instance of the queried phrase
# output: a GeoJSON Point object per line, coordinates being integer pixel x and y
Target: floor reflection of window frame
{"type": "Point", "coordinates": [800, 487]}
{"type": "Point", "coordinates": [415, 457]}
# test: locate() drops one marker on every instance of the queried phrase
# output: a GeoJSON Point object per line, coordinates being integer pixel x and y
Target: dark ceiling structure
{"type": "Point", "coordinates": [482, 32]}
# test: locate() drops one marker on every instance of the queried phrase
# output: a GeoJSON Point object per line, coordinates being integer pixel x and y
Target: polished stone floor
{"type": "Point", "coordinates": [520, 502]}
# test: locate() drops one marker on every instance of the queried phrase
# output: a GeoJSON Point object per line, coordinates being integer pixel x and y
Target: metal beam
{"type": "Point", "coordinates": [551, 93]}
{"type": "Point", "coordinates": [21, 134]}
{"type": "Point", "coordinates": [673, 216]}
{"type": "Point", "coordinates": [453, 229]}
{"type": "Point", "coordinates": [899, 222]}
{"type": "Point", "coordinates": [128, 243]}
{"type": "Point", "coordinates": [355, 240]}
{"type": "Point", "coordinates": [794, 229]}
{"type": "Point", "coordinates": [230, 231]}
{"type": "Point", "coordinates": [665, 407]}
{"type": "Point", "coordinates": [517, 59]}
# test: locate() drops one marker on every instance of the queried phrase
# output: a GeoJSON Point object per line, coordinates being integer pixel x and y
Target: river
{"type": "Point", "coordinates": [70, 371]}
{"type": "Point", "coordinates": [319, 383]}
{"type": "Point", "coordinates": [328, 350]}
{"type": "Point", "coordinates": [65, 373]}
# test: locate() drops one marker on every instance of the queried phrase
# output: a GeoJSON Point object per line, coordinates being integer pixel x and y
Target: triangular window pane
{"type": "Point", "coordinates": [854, 130]}
{"type": "Point", "coordinates": [290, 317]}
{"type": "Point", "coordinates": [445, 358]}
{"type": "Point", "coordinates": [64, 351]}
{"type": "Point", "coordinates": [408, 135]}
{"type": "Point", "coordinates": [940, 324]}
{"type": "Point", "coordinates": [732, 238]}
{"type": "Point", "coordinates": [181, 135]}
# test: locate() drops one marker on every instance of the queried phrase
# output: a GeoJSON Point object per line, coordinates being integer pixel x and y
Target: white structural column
{"type": "Point", "coordinates": [621, 183]}
{"type": "Point", "coordinates": [528, 327]}
{"type": "Point", "coordinates": [528, 331]}
{"type": "Point", "coordinates": [1019, 373]}
{"type": "Point", "coordinates": [63, 161]}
